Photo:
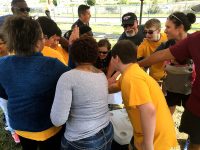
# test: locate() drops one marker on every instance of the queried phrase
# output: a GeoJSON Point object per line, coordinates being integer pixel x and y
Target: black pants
{"type": "Point", "coordinates": [116, 146]}
{"type": "Point", "coordinates": [190, 124]}
{"type": "Point", "coordinates": [52, 143]}
{"type": "Point", "coordinates": [174, 99]}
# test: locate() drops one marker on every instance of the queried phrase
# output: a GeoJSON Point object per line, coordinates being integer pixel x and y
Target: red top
{"type": "Point", "coordinates": [190, 48]}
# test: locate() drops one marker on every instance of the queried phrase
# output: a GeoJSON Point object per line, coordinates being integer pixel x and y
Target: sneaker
{"type": "Point", "coordinates": [16, 137]}
{"type": "Point", "coordinates": [6, 128]}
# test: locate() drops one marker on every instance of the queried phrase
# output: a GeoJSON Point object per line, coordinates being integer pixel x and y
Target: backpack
{"type": "Point", "coordinates": [179, 78]}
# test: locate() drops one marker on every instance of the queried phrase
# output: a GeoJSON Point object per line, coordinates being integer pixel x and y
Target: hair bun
{"type": "Point", "coordinates": [191, 17]}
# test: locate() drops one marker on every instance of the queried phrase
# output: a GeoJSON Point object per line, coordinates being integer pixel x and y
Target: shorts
{"type": "Point", "coordinates": [190, 124]}
{"type": "Point", "coordinates": [174, 99]}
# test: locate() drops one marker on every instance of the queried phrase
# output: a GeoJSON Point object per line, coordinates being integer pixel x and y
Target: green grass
{"type": "Point", "coordinates": [100, 28]}
{"type": "Point", "coordinates": [6, 141]}
{"type": "Point", "coordinates": [115, 30]}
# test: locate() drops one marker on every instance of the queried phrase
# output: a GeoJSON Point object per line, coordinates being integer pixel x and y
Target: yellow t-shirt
{"type": "Point", "coordinates": [138, 88]}
{"type": "Point", "coordinates": [39, 136]}
{"type": "Point", "coordinates": [48, 51]}
{"type": "Point", "coordinates": [145, 49]}
{"type": "Point", "coordinates": [63, 53]}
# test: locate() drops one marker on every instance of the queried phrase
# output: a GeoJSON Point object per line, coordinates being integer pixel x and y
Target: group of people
{"type": "Point", "coordinates": [54, 89]}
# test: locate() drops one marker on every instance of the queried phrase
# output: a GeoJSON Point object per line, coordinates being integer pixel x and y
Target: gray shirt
{"type": "Point", "coordinates": [81, 101]}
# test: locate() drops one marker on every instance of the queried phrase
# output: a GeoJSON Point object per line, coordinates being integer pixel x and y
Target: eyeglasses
{"type": "Point", "coordinates": [149, 31]}
{"type": "Point", "coordinates": [26, 9]}
{"type": "Point", "coordinates": [173, 16]}
{"type": "Point", "coordinates": [127, 25]}
{"type": "Point", "coordinates": [102, 52]}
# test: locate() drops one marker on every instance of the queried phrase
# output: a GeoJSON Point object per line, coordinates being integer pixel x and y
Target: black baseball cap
{"type": "Point", "coordinates": [128, 18]}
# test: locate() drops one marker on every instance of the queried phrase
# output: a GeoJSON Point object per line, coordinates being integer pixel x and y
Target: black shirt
{"type": "Point", "coordinates": [103, 64]}
{"type": "Point", "coordinates": [137, 39]}
{"type": "Point", "coordinates": [166, 45]}
{"type": "Point", "coordinates": [79, 23]}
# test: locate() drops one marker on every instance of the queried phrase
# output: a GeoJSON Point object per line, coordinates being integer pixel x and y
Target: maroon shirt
{"type": "Point", "coordinates": [190, 48]}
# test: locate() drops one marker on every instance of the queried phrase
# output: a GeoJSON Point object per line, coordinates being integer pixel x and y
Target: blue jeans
{"type": "Point", "coordinates": [100, 141]}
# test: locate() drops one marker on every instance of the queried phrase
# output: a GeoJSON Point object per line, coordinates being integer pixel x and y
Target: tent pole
{"type": "Point", "coordinates": [141, 9]}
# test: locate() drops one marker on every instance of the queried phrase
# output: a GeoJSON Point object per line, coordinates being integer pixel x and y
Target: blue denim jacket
{"type": "Point", "coordinates": [29, 83]}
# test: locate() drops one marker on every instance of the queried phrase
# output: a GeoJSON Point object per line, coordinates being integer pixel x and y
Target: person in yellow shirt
{"type": "Point", "coordinates": [153, 39]}
{"type": "Point", "coordinates": [144, 101]}
{"type": "Point", "coordinates": [62, 48]}
{"type": "Point", "coordinates": [52, 37]}
{"type": "Point", "coordinates": [48, 51]}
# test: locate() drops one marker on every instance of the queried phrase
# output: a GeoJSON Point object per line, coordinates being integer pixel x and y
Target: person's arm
{"type": "Point", "coordinates": [148, 123]}
{"type": "Point", "coordinates": [156, 57]}
{"type": "Point", "coordinates": [62, 102]}
{"type": "Point", "coordinates": [114, 88]}
{"type": "Point", "coordinates": [64, 43]}
{"type": "Point", "coordinates": [139, 97]}
{"type": "Point", "coordinates": [74, 36]}
{"type": "Point", "coordinates": [110, 71]}
{"type": "Point", "coordinates": [115, 76]}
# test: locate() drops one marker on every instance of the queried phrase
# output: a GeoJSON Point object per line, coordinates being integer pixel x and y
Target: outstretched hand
{"type": "Point", "coordinates": [74, 36]}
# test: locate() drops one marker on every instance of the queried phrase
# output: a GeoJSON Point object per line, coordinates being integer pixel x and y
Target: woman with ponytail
{"type": "Point", "coordinates": [177, 26]}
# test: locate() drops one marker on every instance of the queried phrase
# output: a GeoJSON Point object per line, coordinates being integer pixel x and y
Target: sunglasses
{"type": "Point", "coordinates": [102, 52]}
{"type": "Point", "coordinates": [127, 25]}
{"type": "Point", "coordinates": [149, 31]}
{"type": "Point", "coordinates": [27, 9]}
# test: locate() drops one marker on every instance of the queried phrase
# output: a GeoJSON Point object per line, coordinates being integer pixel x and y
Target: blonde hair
{"type": "Point", "coordinates": [153, 23]}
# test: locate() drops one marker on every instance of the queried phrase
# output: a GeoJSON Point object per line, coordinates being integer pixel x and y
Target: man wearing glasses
{"type": "Point", "coordinates": [132, 31]}
{"type": "Point", "coordinates": [20, 7]}
{"type": "Point", "coordinates": [153, 39]}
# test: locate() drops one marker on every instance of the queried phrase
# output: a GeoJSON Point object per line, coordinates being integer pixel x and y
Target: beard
{"type": "Point", "coordinates": [130, 33]}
